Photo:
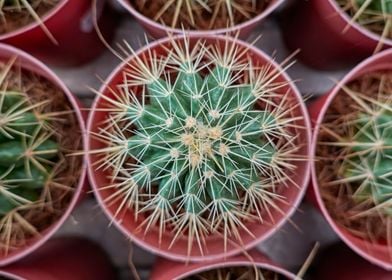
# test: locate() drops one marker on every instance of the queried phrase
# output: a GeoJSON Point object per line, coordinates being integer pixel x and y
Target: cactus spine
{"type": "Point", "coordinates": [201, 151]}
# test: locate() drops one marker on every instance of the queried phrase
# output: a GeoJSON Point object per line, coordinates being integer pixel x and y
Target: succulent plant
{"type": "Point", "coordinates": [25, 152]}
{"type": "Point", "coordinates": [233, 273]}
{"type": "Point", "coordinates": [199, 141]}
{"type": "Point", "coordinates": [383, 6]}
{"type": "Point", "coordinates": [375, 15]}
{"type": "Point", "coordinates": [200, 14]}
{"type": "Point", "coordinates": [364, 141]}
{"type": "Point", "coordinates": [37, 171]}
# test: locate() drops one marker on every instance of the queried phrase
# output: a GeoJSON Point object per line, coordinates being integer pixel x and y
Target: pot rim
{"type": "Point", "coordinates": [34, 24]}
{"type": "Point", "coordinates": [358, 27]}
{"type": "Point", "coordinates": [53, 228]}
{"type": "Point", "coordinates": [330, 97]}
{"type": "Point", "coordinates": [171, 254]}
{"type": "Point", "coordinates": [169, 30]}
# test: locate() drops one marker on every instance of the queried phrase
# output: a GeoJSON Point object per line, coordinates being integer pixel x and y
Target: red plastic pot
{"type": "Point", "coordinates": [71, 24]}
{"type": "Point", "coordinates": [29, 63]}
{"type": "Point", "coordinates": [316, 28]}
{"type": "Point", "coordinates": [340, 263]}
{"type": "Point", "coordinates": [376, 253]}
{"type": "Point", "coordinates": [125, 219]}
{"type": "Point", "coordinates": [67, 258]}
{"type": "Point", "coordinates": [168, 270]}
{"type": "Point", "coordinates": [158, 30]}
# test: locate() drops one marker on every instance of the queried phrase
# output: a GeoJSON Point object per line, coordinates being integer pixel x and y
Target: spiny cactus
{"type": "Point", "coordinates": [25, 152]}
{"type": "Point", "coordinates": [36, 179]}
{"type": "Point", "coordinates": [366, 147]}
{"type": "Point", "coordinates": [234, 273]}
{"type": "Point", "coordinates": [198, 141]}
{"type": "Point", "coordinates": [375, 15]}
{"type": "Point", "coordinates": [200, 14]}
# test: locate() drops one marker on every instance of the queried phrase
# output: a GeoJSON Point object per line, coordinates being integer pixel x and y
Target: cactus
{"type": "Point", "coordinates": [200, 14]}
{"type": "Point", "coordinates": [365, 148]}
{"type": "Point", "coordinates": [375, 15]}
{"type": "Point", "coordinates": [25, 152]}
{"type": "Point", "coordinates": [204, 151]}
{"type": "Point", "coordinates": [251, 272]}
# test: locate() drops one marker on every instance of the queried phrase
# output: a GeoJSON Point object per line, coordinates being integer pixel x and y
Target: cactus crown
{"type": "Point", "coordinates": [364, 142]}
{"type": "Point", "coordinates": [199, 139]}
{"type": "Point", "coordinates": [200, 14]}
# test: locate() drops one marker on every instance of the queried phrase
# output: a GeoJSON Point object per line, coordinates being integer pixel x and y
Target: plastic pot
{"type": "Point", "coordinates": [376, 253]}
{"type": "Point", "coordinates": [317, 27]}
{"type": "Point", "coordinates": [158, 30]}
{"type": "Point", "coordinates": [125, 220]}
{"type": "Point", "coordinates": [168, 270]}
{"type": "Point", "coordinates": [29, 63]}
{"type": "Point", "coordinates": [339, 263]}
{"type": "Point", "coordinates": [71, 24]}
{"type": "Point", "coordinates": [63, 259]}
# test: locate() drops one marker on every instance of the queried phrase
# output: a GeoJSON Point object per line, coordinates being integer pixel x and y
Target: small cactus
{"type": "Point", "coordinates": [37, 173]}
{"type": "Point", "coordinates": [25, 152]}
{"type": "Point", "coordinates": [198, 140]}
{"type": "Point", "coordinates": [251, 272]}
{"type": "Point", "coordinates": [201, 14]}
{"type": "Point", "coordinates": [365, 148]}
{"type": "Point", "coordinates": [375, 15]}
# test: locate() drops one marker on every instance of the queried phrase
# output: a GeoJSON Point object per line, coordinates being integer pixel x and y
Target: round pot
{"type": "Point", "coordinates": [158, 30]}
{"type": "Point", "coordinates": [317, 28]}
{"type": "Point", "coordinates": [375, 253]}
{"type": "Point", "coordinates": [71, 24]}
{"type": "Point", "coordinates": [30, 63]}
{"type": "Point", "coordinates": [125, 220]}
{"type": "Point", "coordinates": [63, 258]}
{"type": "Point", "coordinates": [339, 263]}
{"type": "Point", "coordinates": [168, 270]}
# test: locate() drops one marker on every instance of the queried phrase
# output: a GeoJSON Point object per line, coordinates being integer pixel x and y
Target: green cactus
{"type": "Point", "coordinates": [383, 6]}
{"type": "Point", "coordinates": [370, 165]}
{"type": "Point", "coordinates": [25, 152]}
{"type": "Point", "coordinates": [199, 140]}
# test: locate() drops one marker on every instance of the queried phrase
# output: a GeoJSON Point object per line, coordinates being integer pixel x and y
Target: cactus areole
{"type": "Point", "coordinates": [198, 140]}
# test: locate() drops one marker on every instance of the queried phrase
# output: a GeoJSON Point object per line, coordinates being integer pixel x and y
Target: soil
{"type": "Point", "coordinates": [68, 168]}
{"type": "Point", "coordinates": [235, 273]}
{"type": "Point", "coordinates": [371, 20]}
{"type": "Point", "coordinates": [375, 226]}
{"type": "Point", "coordinates": [203, 19]}
{"type": "Point", "coordinates": [15, 18]}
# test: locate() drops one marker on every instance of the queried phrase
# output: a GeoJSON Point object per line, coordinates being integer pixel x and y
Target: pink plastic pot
{"type": "Point", "coordinates": [376, 253]}
{"type": "Point", "coordinates": [125, 220]}
{"type": "Point", "coordinates": [158, 30]}
{"type": "Point", "coordinates": [29, 63]}
{"type": "Point", "coordinates": [168, 270]}
{"type": "Point", "coordinates": [63, 259]}
{"type": "Point", "coordinates": [340, 263]}
{"type": "Point", "coordinates": [71, 24]}
{"type": "Point", "coordinates": [316, 28]}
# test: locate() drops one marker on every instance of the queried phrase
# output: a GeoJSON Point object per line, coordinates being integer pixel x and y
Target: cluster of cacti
{"type": "Point", "coordinates": [204, 151]}
{"type": "Point", "coordinates": [364, 142]}
{"type": "Point", "coordinates": [26, 151]}
{"type": "Point", "coordinates": [376, 15]}
{"type": "Point", "coordinates": [235, 273]}
{"type": "Point", "coordinates": [200, 14]}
